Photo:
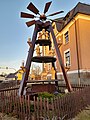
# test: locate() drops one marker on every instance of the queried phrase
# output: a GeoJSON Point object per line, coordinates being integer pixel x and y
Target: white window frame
{"type": "Point", "coordinates": [67, 64]}
{"type": "Point", "coordinates": [66, 37]}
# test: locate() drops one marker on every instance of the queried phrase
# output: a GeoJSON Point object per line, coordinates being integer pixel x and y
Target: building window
{"type": "Point", "coordinates": [66, 35]}
{"type": "Point", "coordinates": [67, 58]}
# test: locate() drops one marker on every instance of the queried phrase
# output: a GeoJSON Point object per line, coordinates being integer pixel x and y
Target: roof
{"type": "Point", "coordinates": [11, 75]}
{"type": "Point", "coordinates": [79, 8]}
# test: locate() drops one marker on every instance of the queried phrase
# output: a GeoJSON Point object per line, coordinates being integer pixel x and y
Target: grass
{"type": "Point", "coordinates": [83, 115]}
{"type": "Point", "coordinates": [6, 117]}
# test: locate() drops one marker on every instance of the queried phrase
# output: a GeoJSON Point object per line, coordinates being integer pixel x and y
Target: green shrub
{"type": "Point", "coordinates": [49, 95]}
{"type": "Point", "coordinates": [46, 95]}
{"type": "Point", "coordinates": [31, 108]}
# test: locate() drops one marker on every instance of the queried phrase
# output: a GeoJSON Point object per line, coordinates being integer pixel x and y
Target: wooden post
{"type": "Point", "coordinates": [28, 62]}
{"type": "Point", "coordinates": [60, 59]}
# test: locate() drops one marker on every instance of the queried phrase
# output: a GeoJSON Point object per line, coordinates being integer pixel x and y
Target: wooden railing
{"type": "Point", "coordinates": [75, 87]}
{"type": "Point", "coordinates": [57, 108]}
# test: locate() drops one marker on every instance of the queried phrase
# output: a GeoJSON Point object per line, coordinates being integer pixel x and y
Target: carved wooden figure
{"type": "Point", "coordinates": [38, 50]}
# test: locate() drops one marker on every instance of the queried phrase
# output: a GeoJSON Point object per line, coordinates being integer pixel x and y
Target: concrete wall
{"type": "Point", "coordinates": [74, 79]}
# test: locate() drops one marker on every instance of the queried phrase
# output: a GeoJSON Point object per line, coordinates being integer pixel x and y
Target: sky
{"type": "Point", "coordinates": [14, 33]}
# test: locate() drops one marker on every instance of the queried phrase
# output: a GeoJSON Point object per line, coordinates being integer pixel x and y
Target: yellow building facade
{"type": "Point", "coordinates": [73, 34]}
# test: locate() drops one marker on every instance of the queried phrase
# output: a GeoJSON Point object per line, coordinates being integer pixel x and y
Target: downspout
{"type": "Point", "coordinates": [77, 51]}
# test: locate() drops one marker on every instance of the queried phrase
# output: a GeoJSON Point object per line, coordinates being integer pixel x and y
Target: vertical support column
{"type": "Point", "coordinates": [60, 59]}
{"type": "Point", "coordinates": [56, 82]}
{"type": "Point", "coordinates": [28, 62]}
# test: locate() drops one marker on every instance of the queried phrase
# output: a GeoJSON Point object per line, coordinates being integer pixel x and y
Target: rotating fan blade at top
{"type": "Point", "coordinates": [32, 8]}
{"type": "Point", "coordinates": [26, 15]}
{"type": "Point", "coordinates": [30, 23]}
{"type": "Point", "coordinates": [47, 7]}
{"type": "Point", "coordinates": [59, 21]}
{"type": "Point", "coordinates": [55, 13]}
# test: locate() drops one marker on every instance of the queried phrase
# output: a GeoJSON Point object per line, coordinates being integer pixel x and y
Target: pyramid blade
{"type": "Point", "coordinates": [57, 21]}
{"type": "Point", "coordinates": [30, 23]}
{"type": "Point", "coordinates": [47, 7]}
{"type": "Point", "coordinates": [26, 15]}
{"type": "Point", "coordinates": [55, 13]}
{"type": "Point", "coordinates": [32, 8]}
